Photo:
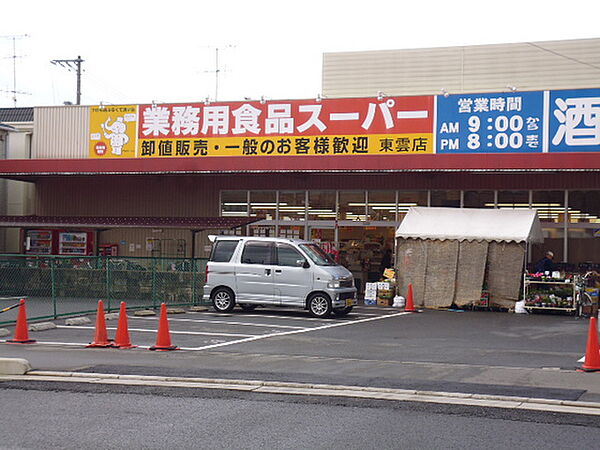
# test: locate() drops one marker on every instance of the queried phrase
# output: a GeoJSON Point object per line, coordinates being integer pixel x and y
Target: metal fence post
{"type": "Point", "coordinates": [53, 286]}
{"type": "Point", "coordinates": [107, 269]}
{"type": "Point", "coordinates": [194, 282]}
{"type": "Point", "coordinates": [154, 283]}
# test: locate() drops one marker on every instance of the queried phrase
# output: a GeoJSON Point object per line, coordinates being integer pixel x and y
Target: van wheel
{"type": "Point", "coordinates": [340, 312]}
{"type": "Point", "coordinates": [319, 305]}
{"type": "Point", "coordinates": [247, 307]}
{"type": "Point", "coordinates": [223, 300]}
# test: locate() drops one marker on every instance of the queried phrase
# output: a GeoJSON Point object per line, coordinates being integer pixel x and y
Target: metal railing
{"type": "Point", "coordinates": [56, 286]}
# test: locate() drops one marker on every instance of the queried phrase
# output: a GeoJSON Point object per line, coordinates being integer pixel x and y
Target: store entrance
{"type": "Point", "coordinates": [365, 250]}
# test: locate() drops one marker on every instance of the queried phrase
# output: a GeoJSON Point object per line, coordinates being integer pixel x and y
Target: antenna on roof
{"type": "Point", "coordinates": [14, 57]}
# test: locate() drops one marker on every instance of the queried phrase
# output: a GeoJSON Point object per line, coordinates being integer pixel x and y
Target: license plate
{"type": "Point", "coordinates": [349, 301]}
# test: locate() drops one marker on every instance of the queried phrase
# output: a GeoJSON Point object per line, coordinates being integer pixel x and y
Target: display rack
{"type": "Point", "coordinates": [549, 294]}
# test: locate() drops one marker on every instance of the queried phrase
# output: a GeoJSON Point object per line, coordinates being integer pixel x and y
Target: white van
{"type": "Point", "coordinates": [252, 271]}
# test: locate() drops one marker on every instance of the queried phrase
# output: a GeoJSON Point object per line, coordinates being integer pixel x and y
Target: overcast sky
{"type": "Point", "coordinates": [164, 51]}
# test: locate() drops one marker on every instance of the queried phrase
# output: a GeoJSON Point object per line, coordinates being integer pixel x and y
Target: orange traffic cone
{"type": "Point", "coordinates": [592, 351]}
{"type": "Point", "coordinates": [410, 307]}
{"type": "Point", "coordinates": [21, 334]}
{"type": "Point", "coordinates": [163, 338]}
{"type": "Point", "coordinates": [122, 336]}
{"type": "Point", "coordinates": [101, 339]}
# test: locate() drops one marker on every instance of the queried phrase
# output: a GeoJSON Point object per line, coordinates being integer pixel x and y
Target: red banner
{"type": "Point", "coordinates": [348, 116]}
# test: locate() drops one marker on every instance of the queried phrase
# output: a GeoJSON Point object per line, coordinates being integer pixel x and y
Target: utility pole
{"type": "Point", "coordinates": [14, 57]}
{"type": "Point", "coordinates": [72, 65]}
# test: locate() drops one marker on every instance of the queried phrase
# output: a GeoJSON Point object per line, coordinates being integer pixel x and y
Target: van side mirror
{"type": "Point", "coordinates": [306, 265]}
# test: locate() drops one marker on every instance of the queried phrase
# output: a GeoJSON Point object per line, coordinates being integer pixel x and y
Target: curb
{"type": "Point", "coordinates": [14, 366]}
{"type": "Point", "coordinates": [287, 388]}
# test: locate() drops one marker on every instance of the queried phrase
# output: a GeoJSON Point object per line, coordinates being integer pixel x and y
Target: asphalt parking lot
{"type": "Point", "coordinates": [373, 346]}
{"type": "Point", "coordinates": [485, 338]}
{"type": "Point", "coordinates": [196, 331]}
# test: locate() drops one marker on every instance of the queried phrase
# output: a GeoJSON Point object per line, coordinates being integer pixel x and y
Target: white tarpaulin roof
{"type": "Point", "coordinates": [470, 224]}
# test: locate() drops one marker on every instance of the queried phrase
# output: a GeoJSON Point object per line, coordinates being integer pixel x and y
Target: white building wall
{"type": "Point", "coordinates": [19, 194]}
{"type": "Point", "coordinates": [60, 132]}
{"type": "Point", "coordinates": [482, 68]}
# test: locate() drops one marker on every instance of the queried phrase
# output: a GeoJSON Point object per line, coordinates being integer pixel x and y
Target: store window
{"type": "Point", "coordinates": [263, 204]}
{"type": "Point", "coordinates": [584, 207]}
{"type": "Point", "coordinates": [321, 205]}
{"type": "Point", "coordinates": [234, 203]}
{"type": "Point", "coordinates": [262, 230]}
{"type": "Point", "coordinates": [584, 221]}
{"type": "Point", "coordinates": [406, 199]}
{"type": "Point", "coordinates": [352, 205]}
{"type": "Point", "coordinates": [449, 199]}
{"type": "Point", "coordinates": [511, 199]}
{"type": "Point", "coordinates": [292, 205]}
{"type": "Point", "coordinates": [478, 199]}
{"type": "Point", "coordinates": [550, 205]}
{"type": "Point", "coordinates": [291, 231]}
{"type": "Point", "coordinates": [382, 205]}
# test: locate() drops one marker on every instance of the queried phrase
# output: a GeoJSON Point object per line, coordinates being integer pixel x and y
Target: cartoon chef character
{"type": "Point", "coordinates": [116, 134]}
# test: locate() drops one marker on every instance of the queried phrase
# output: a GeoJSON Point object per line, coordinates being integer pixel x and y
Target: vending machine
{"type": "Point", "coordinates": [39, 242]}
{"type": "Point", "coordinates": [80, 243]}
{"type": "Point", "coordinates": [59, 242]}
{"type": "Point", "coordinates": [108, 250]}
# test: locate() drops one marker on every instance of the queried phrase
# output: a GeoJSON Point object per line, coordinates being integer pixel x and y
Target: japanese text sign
{"type": "Point", "coordinates": [113, 131]}
{"type": "Point", "coordinates": [490, 123]}
{"type": "Point", "coordinates": [299, 127]}
{"type": "Point", "coordinates": [574, 124]}
{"type": "Point", "coordinates": [509, 122]}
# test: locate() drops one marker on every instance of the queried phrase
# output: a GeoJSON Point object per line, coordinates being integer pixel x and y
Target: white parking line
{"type": "Point", "coordinates": [272, 316]}
{"type": "Point", "coordinates": [223, 322]}
{"type": "Point", "coordinates": [287, 333]}
{"type": "Point", "coordinates": [144, 330]}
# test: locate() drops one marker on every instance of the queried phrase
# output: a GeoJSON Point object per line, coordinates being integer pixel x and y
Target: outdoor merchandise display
{"type": "Point", "coordinates": [561, 292]}
{"type": "Point", "coordinates": [549, 292]}
{"type": "Point", "coordinates": [382, 293]}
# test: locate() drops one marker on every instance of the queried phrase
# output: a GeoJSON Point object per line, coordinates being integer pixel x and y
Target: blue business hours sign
{"type": "Point", "coordinates": [519, 122]}
{"type": "Point", "coordinates": [490, 123]}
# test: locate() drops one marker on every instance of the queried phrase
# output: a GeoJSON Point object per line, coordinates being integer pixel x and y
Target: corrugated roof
{"type": "Point", "coordinates": [189, 223]}
{"type": "Point", "coordinates": [11, 115]}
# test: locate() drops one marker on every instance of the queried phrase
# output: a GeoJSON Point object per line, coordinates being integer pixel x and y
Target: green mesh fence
{"type": "Point", "coordinates": [56, 286]}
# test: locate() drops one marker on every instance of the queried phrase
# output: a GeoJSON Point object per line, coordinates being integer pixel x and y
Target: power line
{"type": "Point", "coordinates": [570, 58]}
{"type": "Point", "coordinates": [72, 65]}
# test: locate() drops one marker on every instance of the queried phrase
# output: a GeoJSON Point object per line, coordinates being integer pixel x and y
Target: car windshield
{"type": "Point", "coordinates": [317, 255]}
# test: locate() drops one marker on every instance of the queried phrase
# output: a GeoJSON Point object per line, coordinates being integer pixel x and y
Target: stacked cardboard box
{"type": "Point", "coordinates": [385, 293]}
{"type": "Point", "coordinates": [371, 294]}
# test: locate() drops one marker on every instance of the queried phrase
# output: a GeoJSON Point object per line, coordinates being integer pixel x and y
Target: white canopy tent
{"type": "Point", "coordinates": [453, 255]}
{"type": "Point", "coordinates": [470, 224]}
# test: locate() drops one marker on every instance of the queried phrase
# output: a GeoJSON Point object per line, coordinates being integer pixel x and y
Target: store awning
{"type": "Point", "coordinates": [471, 224]}
{"type": "Point", "coordinates": [190, 223]}
{"type": "Point", "coordinates": [32, 169]}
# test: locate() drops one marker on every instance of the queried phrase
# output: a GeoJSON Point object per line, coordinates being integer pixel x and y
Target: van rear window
{"type": "Point", "coordinates": [223, 251]}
